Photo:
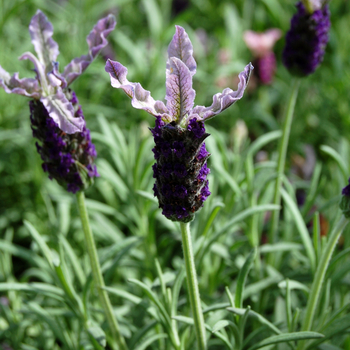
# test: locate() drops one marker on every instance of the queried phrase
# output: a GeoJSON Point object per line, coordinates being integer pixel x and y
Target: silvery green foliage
{"type": "Point", "coordinates": [50, 86]}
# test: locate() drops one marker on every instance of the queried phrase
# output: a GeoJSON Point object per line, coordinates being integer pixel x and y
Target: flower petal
{"type": "Point", "coordinates": [41, 31]}
{"type": "Point", "coordinates": [62, 112]}
{"type": "Point", "coordinates": [179, 92]}
{"type": "Point", "coordinates": [39, 69]}
{"type": "Point", "coordinates": [14, 85]}
{"type": "Point", "coordinates": [181, 48]}
{"type": "Point", "coordinates": [223, 100]}
{"type": "Point", "coordinates": [96, 41]}
{"type": "Point", "coordinates": [140, 98]}
{"type": "Point", "coordinates": [260, 44]}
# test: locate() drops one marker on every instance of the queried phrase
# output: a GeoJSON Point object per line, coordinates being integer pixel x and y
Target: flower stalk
{"type": "Point", "coordinates": [282, 151]}
{"type": "Point", "coordinates": [97, 274]}
{"type": "Point", "coordinates": [321, 270]}
{"type": "Point", "coordinates": [192, 285]}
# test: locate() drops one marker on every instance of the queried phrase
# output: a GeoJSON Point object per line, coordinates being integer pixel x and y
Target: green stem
{"type": "Point", "coordinates": [97, 274]}
{"type": "Point", "coordinates": [282, 151]}
{"type": "Point", "coordinates": [192, 284]}
{"type": "Point", "coordinates": [321, 270]}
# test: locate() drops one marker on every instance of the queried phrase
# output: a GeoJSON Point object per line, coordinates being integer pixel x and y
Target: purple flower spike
{"type": "Point", "coordinates": [68, 158]}
{"type": "Point", "coordinates": [307, 39]}
{"type": "Point", "coordinates": [181, 169]}
{"type": "Point", "coordinates": [50, 87]}
{"type": "Point", "coordinates": [56, 117]}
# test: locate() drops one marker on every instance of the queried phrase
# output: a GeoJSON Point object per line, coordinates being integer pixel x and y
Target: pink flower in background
{"type": "Point", "coordinates": [261, 45]}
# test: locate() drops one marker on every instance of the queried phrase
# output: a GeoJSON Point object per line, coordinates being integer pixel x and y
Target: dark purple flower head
{"type": "Point", "coordinates": [50, 86]}
{"type": "Point", "coordinates": [181, 157]}
{"type": "Point", "coordinates": [307, 39]}
{"type": "Point", "coordinates": [68, 158]}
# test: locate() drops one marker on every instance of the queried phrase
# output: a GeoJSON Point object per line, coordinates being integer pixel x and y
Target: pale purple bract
{"type": "Point", "coordinates": [50, 86]}
{"type": "Point", "coordinates": [180, 95]}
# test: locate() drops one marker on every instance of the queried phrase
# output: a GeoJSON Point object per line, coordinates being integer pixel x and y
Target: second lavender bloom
{"type": "Point", "coordinates": [56, 117]}
{"type": "Point", "coordinates": [307, 38]}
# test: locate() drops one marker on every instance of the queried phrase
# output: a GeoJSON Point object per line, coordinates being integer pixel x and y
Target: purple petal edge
{"type": "Point", "coordinates": [96, 41]}
{"type": "Point", "coordinates": [140, 98]}
{"type": "Point", "coordinates": [13, 85]}
{"type": "Point", "coordinates": [222, 101]}
{"type": "Point", "coordinates": [181, 48]}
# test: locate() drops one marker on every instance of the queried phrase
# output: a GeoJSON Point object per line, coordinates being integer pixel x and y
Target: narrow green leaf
{"type": "Point", "coordinates": [242, 277]}
{"type": "Point", "coordinates": [239, 217]}
{"type": "Point", "coordinates": [140, 333]}
{"type": "Point", "coordinates": [339, 326]}
{"type": "Point", "coordinates": [316, 236]}
{"type": "Point", "coordinates": [176, 290]}
{"type": "Point", "coordinates": [303, 231]}
{"type": "Point", "coordinates": [150, 340]}
{"type": "Point", "coordinates": [107, 172]}
{"type": "Point", "coordinates": [124, 294]}
{"type": "Point", "coordinates": [154, 17]}
{"type": "Point", "coordinates": [256, 316]}
{"type": "Point", "coordinates": [280, 247]}
{"type": "Point", "coordinates": [40, 241]}
{"type": "Point", "coordinates": [211, 218]}
{"type": "Point", "coordinates": [37, 287]}
{"type": "Point", "coordinates": [313, 190]}
{"type": "Point", "coordinates": [155, 300]}
{"type": "Point", "coordinates": [70, 253]}
{"type": "Point", "coordinates": [286, 337]}
{"type": "Point", "coordinates": [100, 207]}
{"type": "Point", "coordinates": [263, 141]}
{"type": "Point", "coordinates": [98, 334]}
{"type": "Point", "coordinates": [293, 285]}
{"type": "Point", "coordinates": [339, 160]}
{"type": "Point", "coordinates": [147, 195]}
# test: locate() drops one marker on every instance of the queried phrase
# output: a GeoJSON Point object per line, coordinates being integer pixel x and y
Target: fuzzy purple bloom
{"type": "Point", "coordinates": [56, 116]}
{"type": "Point", "coordinates": [181, 177]}
{"type": "Point", "coordinates": [68, 158]}
{"type": "Point", "coordinates": [306, 40]}
{"type": "Point", "coordinates": [181, 157]}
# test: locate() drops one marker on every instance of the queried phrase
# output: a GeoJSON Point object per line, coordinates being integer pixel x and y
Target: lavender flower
{"type": "Point", "coordinates": [261, 45]}
{"type": "Point", "coordinates": [181, 157]}
{"type": "Point", "coordinates": [307, 38]}
{"type": "Point", "coordinates": [56, 117]}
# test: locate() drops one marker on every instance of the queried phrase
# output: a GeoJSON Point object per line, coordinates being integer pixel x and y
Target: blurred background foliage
{"type": "Point", "coordinates": [129, 228]}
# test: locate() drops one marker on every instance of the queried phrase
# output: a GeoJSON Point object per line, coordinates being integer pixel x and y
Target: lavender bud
{"type": "Point", "coordinates": [306, 40]}
{"type": "Point", "coordinates": [181, 168]}
{"type": "Point", "coordinates": [68, 158]}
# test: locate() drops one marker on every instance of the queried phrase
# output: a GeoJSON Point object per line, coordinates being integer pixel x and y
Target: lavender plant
{"type": "Point", "coordinates": [303, 52]}
{"type": "Point", "coordinates": [58, 123]}
{"type": "Point", "coordinates": [181, 157]}
{"type": "Point", "coordinates": [56, 116]}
